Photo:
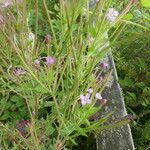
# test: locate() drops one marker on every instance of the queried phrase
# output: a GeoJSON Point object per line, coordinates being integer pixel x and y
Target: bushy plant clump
{"type": "Point", "coordinates": [49, 86]}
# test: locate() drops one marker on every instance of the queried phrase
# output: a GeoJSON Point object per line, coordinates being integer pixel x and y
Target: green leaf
{"type": "Point", "coordinates": [5, 116]}
{"type": "Point", "coordinates": [40, 89]}
{"type": "Point", "coordinates": [47, 104]}
{"type": "Point", "coordinates": [102, 120]}
{"type": "Point", "coordinates": [82, 131]}
{"type": "Point", "coordinates": [128, 16]}
{"type": "Point", "coordinates": [73, 141]}
{"type": "Point", "coordinates": [49, 130]}
{"type": "Point", "coordinates": [16, 98]}
{"type": "Point", "coordinates": [142, 64]}
{"type": "Point", "coordinates": [20, 103]}
{"type": "Point", "coordinates": [132, 95]}
{"type": "Point", "coordinates": [145, 3]}
{"type": "Point", "coordinates": [146, 132]}
{"type": "Point", "coordinates": [68, 129]}
{"type": "Point", "coordinates": [127, 82]}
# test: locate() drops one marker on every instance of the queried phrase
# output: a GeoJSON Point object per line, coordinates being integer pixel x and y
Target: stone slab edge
{"type": "Point", "coordinates": [118, 138]}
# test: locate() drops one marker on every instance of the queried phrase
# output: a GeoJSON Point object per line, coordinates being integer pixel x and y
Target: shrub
{"type": "Point", "coordinates": [49, 86]}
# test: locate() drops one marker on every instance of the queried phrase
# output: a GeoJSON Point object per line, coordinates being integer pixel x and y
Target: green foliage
{"type": "Point", "coordinates": [145, 3]}
{"type": "Point", "coordinates": [43, 26]}
{"type": "Point", "coordinates": [43, 79]}
{"type": "Point", "coordinates": [12, 108]}
{"type": "Point", "coordinates": [132, 58]}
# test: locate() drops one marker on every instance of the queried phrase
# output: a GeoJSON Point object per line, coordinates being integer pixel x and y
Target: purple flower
{"type": "Point", "coordinates": [112, 14]}
{"type": "Point", "coordinates": [33, 113]}
{"type": "Point", "coordinates": [48, 38]}
{"type": "Point", "coordinates": [37, 62]}
{"type": "Point", "coordinates": [104, 65]}
{"type": "Point", "coordinates": [19, 71]}
{"type": "Point", "coordinates": [98, 96]}
{"type": "Point", "coordinates": [85, 99]}
{"type": "Point", "coordinates": [100, 78]}
{"type": "Point", "coordinates": [90, 90]}
{"type": "Point", "coordinates": [50, 60]}
{"type": "Point", "coordinates": [87, 95]}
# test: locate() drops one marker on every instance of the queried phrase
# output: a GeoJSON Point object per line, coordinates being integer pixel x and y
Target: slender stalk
{"type": "Point", "coordinates": [36, 24]}
{"type": "Point", "coordinates": [51, 25]}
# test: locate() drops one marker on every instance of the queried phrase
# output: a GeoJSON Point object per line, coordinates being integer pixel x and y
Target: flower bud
{"type": "Point", "coordinates": [104, 102]}
{"type": "Point", "coordinates": [104, 65]}
{"type": "Point", "coordinates": [48, 39]}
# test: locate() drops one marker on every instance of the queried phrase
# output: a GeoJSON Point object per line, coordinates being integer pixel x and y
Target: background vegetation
{"type": "Point", "coordinates": [132, 57]}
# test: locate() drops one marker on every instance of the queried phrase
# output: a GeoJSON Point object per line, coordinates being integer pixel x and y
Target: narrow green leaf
{"type": "Point", "coordinates": [145, 3]}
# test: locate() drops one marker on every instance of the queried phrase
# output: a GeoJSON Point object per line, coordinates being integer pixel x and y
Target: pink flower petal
{"type": "Point", "coordinates": [98, 96]}
{"type": "Point", "coordinates": [90, 90]}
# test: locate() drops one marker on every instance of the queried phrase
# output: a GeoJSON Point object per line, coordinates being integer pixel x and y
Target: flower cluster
{"type": "Point", "coordinates": [49, 60]}
{"type": "Point", "coordinates": [112, 14]}
{"type": "Point", "coordinates": [86, 98]}
{"type": "Point", "coordinates": [18, 71]}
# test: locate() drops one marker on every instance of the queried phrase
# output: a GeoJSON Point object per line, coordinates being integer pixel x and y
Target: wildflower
{"type": "Point", "coordinates": [98, 96]}
{"type": "Point", "coordinates": [31, 36]}
{"type": "Point", "coordinates": [104, 65]}
{"type": "Point", "coordinates": [112, 14]}
{"type": "Point", "coordinates": [85, 99]}
{"type": "Point", "coordinates": [87, 95]}
{"type": "Point", "coordinates": [37, 62]}
{"type": "Point", "coordinates": [18, 71]}
{"type": "Point", "coordinates": [90, 90]}
{"type": "Point", "coordinates": [50, 60]}
{"type": "Point", "coordinates": [91, 40]}
{"type": "Point", "coordinates": [33, 113]}
{"type": "Point", "coordinates": [100, 78]}
{"type": "Point", "coordinates": [104, 102]}
{"type": "Point", "coordinates": [21, 126]}
{"type": "Point", "coordinates": [48, 38]}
